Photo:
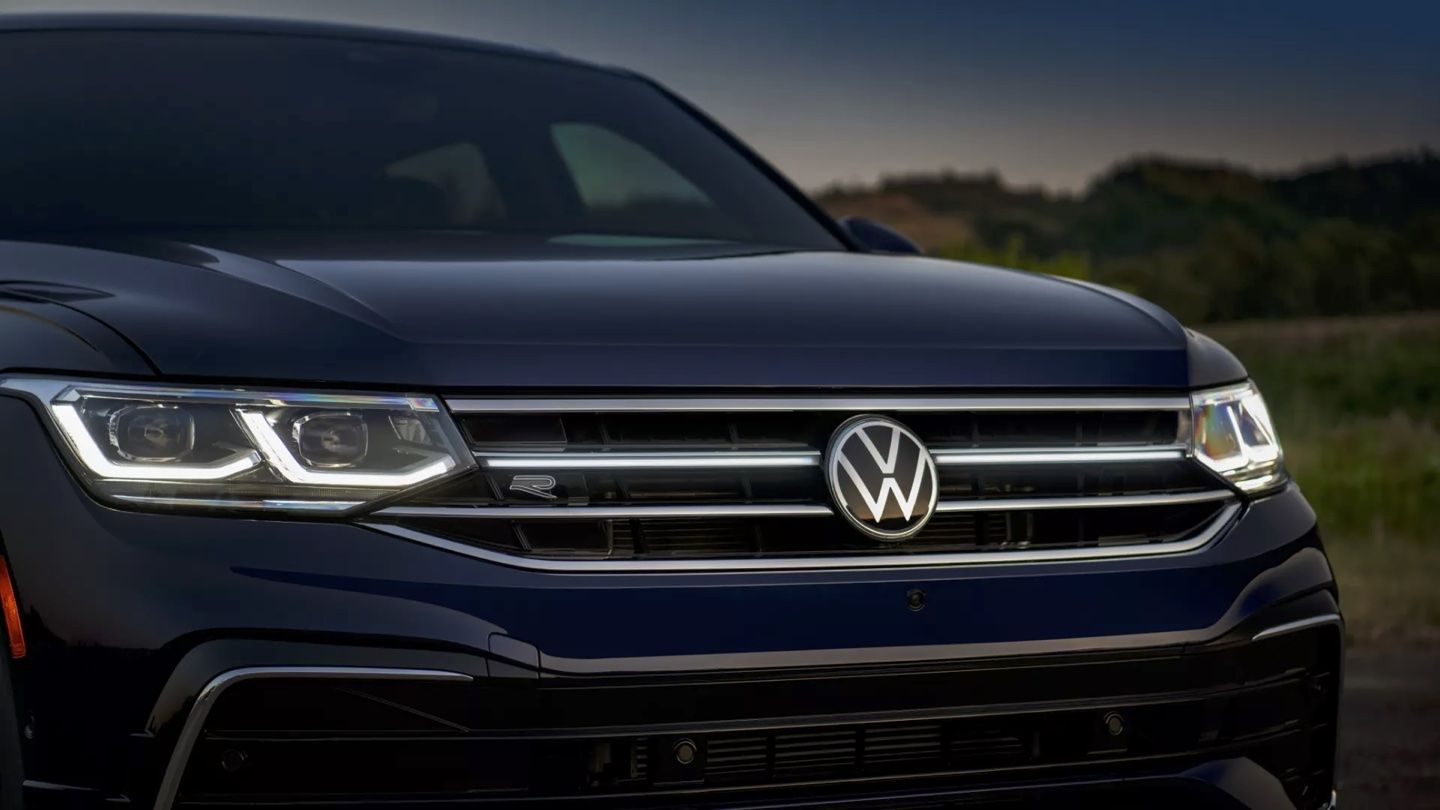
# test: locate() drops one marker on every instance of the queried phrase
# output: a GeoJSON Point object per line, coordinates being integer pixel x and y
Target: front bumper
{"type": "Point", "coordinates": [781, 677]}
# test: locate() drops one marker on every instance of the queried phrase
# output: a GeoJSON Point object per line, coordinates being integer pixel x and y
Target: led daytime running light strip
{"type": "Point", "coordinates": [90, 453]}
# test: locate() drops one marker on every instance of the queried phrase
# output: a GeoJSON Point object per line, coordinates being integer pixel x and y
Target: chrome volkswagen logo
{"type": "Point", "coordinates": [882, 477]}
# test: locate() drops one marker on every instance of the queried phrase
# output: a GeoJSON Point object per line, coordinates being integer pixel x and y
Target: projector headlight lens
{"type": "Point", "coordinates": [331, 439]}
{"type": "Point", "coordinates": [152, 432]}
{"type": "Point", "coordinates": [216, 448]}
{"type": "Point", "coordinates": [1232, 434]}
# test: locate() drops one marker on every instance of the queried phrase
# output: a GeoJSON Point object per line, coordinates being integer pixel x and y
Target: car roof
{"type": "Point", "coordinates": [105, 21]}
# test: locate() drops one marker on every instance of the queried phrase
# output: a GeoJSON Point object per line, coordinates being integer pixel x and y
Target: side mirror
{"type": "Point", "coordinates": [877, 238]}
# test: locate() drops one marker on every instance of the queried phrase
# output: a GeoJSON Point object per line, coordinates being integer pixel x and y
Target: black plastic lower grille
{"type": "Point", "coordinates": [629, 742]}
{"type": "Point", "coordinates": [876, 749]}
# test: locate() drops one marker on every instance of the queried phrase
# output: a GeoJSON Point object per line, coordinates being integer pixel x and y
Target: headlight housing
{"type": "Point", "coordinates": [1231, 433]}
{"type": "Point", "coordinates": [149, 446]}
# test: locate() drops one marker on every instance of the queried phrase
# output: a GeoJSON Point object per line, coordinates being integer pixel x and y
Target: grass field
{"type": "Point", "coordinates": [1357, 405]}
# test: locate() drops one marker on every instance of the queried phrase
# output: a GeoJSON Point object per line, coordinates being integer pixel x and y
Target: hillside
{"type": "Point", "coordinates": [1211, 242]}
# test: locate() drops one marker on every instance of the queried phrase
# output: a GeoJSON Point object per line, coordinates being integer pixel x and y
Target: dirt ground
{"type": "Point", "coordinates": [1390, 728]}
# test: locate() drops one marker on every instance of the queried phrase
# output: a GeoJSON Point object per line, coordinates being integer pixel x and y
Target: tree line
{"type": "Point", "coordinates": [1209, 242]}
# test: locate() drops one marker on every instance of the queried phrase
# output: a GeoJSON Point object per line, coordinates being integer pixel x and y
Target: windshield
{"type": "Point", "coordinates": [130, 130]}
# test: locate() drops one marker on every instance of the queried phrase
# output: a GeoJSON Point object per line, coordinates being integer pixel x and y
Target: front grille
{"type": "Point", "coordinates": [876, 749]}
{"type": "Point", "coordinates": [674, 481]}
{"type": "Point", "coordinates": [617, 742]}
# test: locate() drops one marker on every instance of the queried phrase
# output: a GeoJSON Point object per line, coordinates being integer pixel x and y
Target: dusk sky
{"type": "Point", "coordinates": [1043, 92]}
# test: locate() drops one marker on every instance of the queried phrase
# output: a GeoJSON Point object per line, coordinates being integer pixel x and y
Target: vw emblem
{"type": "Point", "coordinates": [882, 477]}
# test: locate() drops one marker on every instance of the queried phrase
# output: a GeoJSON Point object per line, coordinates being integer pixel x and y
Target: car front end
{"type": "Point", "coordinates": [574, 615]}
{"type": "Point", "coordinates": [352, 497]}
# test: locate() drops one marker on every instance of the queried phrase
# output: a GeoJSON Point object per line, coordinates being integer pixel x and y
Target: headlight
{"type": "Point", "coordinates": [1232, 434]}
{"type": "Point", "coordinates": [217, 448]}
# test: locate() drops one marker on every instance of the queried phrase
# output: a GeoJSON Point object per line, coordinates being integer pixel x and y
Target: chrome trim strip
{"type": "Point", "coordinates": [226, 503]}
{"type": "Point", "coordinates": [205, 701]}
{"type": "Point", "coordinates": [610, 512]}
{"type": "Point", "coordinates": [1084, 501]}
{"type": "Point", "coordinates": [720, 459]}
{"type": "Point", "coordinates": [1193, 543]}
{"type": "Point", "coordinates": [1299, 624]}
{"type": "Point", "coordinates": [56, 389]}
{"type": "Point", "coordinates": [788, 510]}
{"type": "Point", "coordinates": [1060, 455]}
{"type": "Point", "coordinates": [733, 459]}
{"type": "Point", "coordinates": [858, 404]}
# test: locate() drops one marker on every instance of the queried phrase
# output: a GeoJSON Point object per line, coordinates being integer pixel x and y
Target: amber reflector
{"type": "Point", "coordinates": [11, 609]}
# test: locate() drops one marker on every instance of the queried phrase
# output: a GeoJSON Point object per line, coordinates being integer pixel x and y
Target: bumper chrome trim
{"type": "Point", "coordinates": [205, 701]}
{"type": "Point", "coordinates": [1298, 625]}
{"type": "Point", "coordinates": [1192, 543]}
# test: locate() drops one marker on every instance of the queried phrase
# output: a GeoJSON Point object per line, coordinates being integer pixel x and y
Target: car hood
{"type": "Point", "coordinates": [454, 311]}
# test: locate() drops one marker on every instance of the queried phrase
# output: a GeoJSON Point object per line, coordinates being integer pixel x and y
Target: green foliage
{"type": "Point", "coordinates": [1357, 402]}
{"type": "Point", "coordinates": [1071, 264]}
{"type": "Point", "coordinates": [1211, 243]}
{"type": "Point", "coordinates": [1357, 405]}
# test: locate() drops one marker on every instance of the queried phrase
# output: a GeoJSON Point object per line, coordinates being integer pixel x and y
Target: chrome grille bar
{"type": "Point", "coordinates": [1083, 502]}
{"type": "Point", "coordinates": [730, 459]}
{"type": "Point", "coordinates": [788, 510]}
{"type": "Point", "coordinates": [746, 510]}
{"type": "Point", "coordinates": [1060, 455]}
{"type": "Point", "coordinates": [1193, 542]}
{"type": "Point", "coordinates": [744, 459]}
{"type": "Point", "coordinates": [857, 404]}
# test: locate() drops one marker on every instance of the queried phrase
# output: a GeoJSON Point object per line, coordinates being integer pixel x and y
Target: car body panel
{"type": "Point", "coordinates": [433, 311]}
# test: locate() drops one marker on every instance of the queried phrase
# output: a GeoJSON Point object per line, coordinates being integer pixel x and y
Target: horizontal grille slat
{"type": "Point", "coordinates": [904, 744]}
{"type": "Point", "coordinates": [947, 533]}
{"type": "Point", "coordinates": [760, 431]}
{"type": "Point", "coordinates": [678, 487]}
{"type": "Point", "coordinates": [816, 751]}
{"type": "Point", "coordinates": [874, 748]}
{"type": "Point", "coordinates": [683, 538]}
{"type": "Point", "coordinates": [745, 478]}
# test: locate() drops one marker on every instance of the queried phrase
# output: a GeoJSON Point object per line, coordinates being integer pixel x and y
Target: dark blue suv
{"type": "Point", "coordinates": [395, 420]}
